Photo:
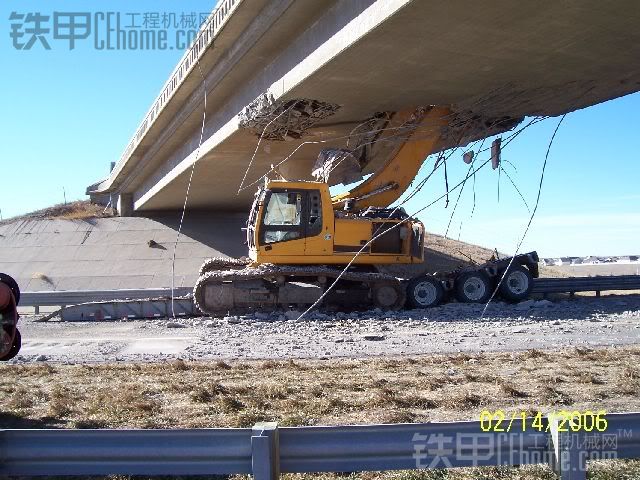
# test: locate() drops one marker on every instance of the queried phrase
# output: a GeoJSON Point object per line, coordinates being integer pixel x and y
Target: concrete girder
{"type": "Point", "coordinates": [496, 59]}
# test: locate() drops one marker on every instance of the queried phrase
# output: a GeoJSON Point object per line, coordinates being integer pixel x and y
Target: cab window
{"type": "Point", "coordinates": [283, 209]}
{"type": "Point", "coordinates": [283, 217]}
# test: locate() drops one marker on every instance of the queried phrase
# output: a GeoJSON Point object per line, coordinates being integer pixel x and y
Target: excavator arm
{"type": "Point", "coordinates": [390, 181]}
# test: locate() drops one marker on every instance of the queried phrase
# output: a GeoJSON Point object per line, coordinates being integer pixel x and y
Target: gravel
{"type": "Point", "coordinates": [583, 321]}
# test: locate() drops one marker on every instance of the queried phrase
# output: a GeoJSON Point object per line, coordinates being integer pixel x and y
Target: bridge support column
{"type": "Point", "coordinates": [125, 205]}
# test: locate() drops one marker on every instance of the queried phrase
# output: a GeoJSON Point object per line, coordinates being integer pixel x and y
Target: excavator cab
{"type": "Point", "coordinates": [286, 219]}
{"type": "Point", "coordinates": [296, 223]}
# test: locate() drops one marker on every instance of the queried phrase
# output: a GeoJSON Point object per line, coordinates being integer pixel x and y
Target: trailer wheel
{"type": "Point", "coordinates": [388, 295]}
{"type": "Point", "coordinates": [516, 284]}
{"type": "Point", "coordinates": [424, 292]}
{"type": "Point", "coordinates": [473, 287]}
{"type": "Point", "coordinates": [15, 347]}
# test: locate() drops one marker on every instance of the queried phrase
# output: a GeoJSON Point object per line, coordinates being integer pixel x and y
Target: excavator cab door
{"type": "Point", "coordinates": [282, 226]}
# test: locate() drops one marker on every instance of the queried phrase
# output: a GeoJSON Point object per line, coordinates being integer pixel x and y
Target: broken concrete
{"type": "Point", "coordinates": [284, 120]}
{"type": "Point", "coordinates": [337, 165]}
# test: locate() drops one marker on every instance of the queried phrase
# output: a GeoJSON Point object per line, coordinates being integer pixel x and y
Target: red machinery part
{"type": "Point", "coordinates": [6, 296]}
{"type": "Point", "coordinates": [11, 340]}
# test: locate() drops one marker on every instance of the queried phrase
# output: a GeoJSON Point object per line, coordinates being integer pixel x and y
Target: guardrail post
{"type": "Point", "coordinates": [566, 459]}
{"type": "Point", "coordinates": [265, 451]}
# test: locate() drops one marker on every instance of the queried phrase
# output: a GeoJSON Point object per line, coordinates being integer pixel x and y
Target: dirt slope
{"type": "Point", "coordinates": [79, 210]}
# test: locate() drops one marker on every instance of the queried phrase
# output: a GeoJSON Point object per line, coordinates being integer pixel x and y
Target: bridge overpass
{"type": "Point", "coordinates": [346, 60]}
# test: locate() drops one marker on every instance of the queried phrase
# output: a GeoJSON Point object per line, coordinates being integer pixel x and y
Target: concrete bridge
{"type": "Point", "coordinates": [327, 66]}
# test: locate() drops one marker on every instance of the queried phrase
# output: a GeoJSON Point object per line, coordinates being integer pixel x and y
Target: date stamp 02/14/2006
{"type": "Point", "coordinates": [567, 421]}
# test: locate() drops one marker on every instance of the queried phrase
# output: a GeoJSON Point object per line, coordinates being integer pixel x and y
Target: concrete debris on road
{"type": "Point", "coordinates": [175, 325]}
{"type": "Point", "coordinates": [371, 337]}
{"type": "Point", "coordinates": [585, 322]}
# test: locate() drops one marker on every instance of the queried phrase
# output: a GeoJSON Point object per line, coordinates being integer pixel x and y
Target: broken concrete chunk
{"type": "Point", "coordinates": [526, 305]}
{"type": "Point", "coordinates": [174, 325]}
{"type": "Point", "coordinates": [273, 119]}
{"type": "Point", "coordinates": [338, 165]}
{"type": "Point", "coordinates": [372, 337]}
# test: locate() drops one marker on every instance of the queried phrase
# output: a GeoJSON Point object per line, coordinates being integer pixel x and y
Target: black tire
{"type": "Point", "coordinates": [13, 285]}
{"type": "Point", "coordinates": [516, 285]}
{"type": "Point", "coordinates": [473, 287]}
{"type": "Point", "coordinates": [15, 347]}
{"type": "Point", "coordinates": [388, 295]}
{"type": "Point", "coordinates": [424, 292]}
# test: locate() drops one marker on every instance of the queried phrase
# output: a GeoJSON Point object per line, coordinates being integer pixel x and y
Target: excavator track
{"type": "Point", "coordinates": [277, 286]}
{"type": "Point", "coordinates": [222, 263]}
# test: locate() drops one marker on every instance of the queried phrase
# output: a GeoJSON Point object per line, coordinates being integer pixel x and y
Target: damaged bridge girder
{"type": "Point", "coordinates": [487, 60]}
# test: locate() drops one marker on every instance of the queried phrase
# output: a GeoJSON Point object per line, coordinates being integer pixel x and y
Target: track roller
{"type": "Point", "coordinates": [388, 295]}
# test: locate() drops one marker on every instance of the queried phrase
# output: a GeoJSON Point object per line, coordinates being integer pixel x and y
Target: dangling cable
{"type": "Point", "coordinates": [533, 214]}
{"type": "Point", "coordinates": [186, 197]}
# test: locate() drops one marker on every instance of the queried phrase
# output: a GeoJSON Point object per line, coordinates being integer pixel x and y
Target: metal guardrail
{"type": "Point", "coordinates": [586, 284]}
{"type": "Point", "coordinates": [266, 450]}
{"type": "Point", "coordinates": [74, 297]}
{"type": "Point", "coordinates": [126, 452]}
{"type": "Point", "coordinates": [149, 308]}
{"type": "Point", "coordinates": [99, 305]}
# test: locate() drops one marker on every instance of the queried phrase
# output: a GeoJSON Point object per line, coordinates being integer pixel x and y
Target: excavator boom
{"type": "Point", "coordinates": [390, 181]}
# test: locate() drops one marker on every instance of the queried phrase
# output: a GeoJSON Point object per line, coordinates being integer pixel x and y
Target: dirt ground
{"type": "Point", "coordinates": [81, 209]}
{"type": "Point", "coordinates": [415, 366]}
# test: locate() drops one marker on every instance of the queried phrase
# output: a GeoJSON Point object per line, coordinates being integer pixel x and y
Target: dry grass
{"type": "Point", "coordinates": [78, 210]}
{"type": "Point", "coordinates": [239, 394]}
{"type": "Point", "coordinates": [424, 388]}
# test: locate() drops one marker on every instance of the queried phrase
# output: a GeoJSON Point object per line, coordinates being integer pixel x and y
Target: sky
{"type": "Point", "coordinates": [67, 114]}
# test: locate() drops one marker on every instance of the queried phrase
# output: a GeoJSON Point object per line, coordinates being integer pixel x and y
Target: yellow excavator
{"type": "Point", "coordinates": [301, 241]}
